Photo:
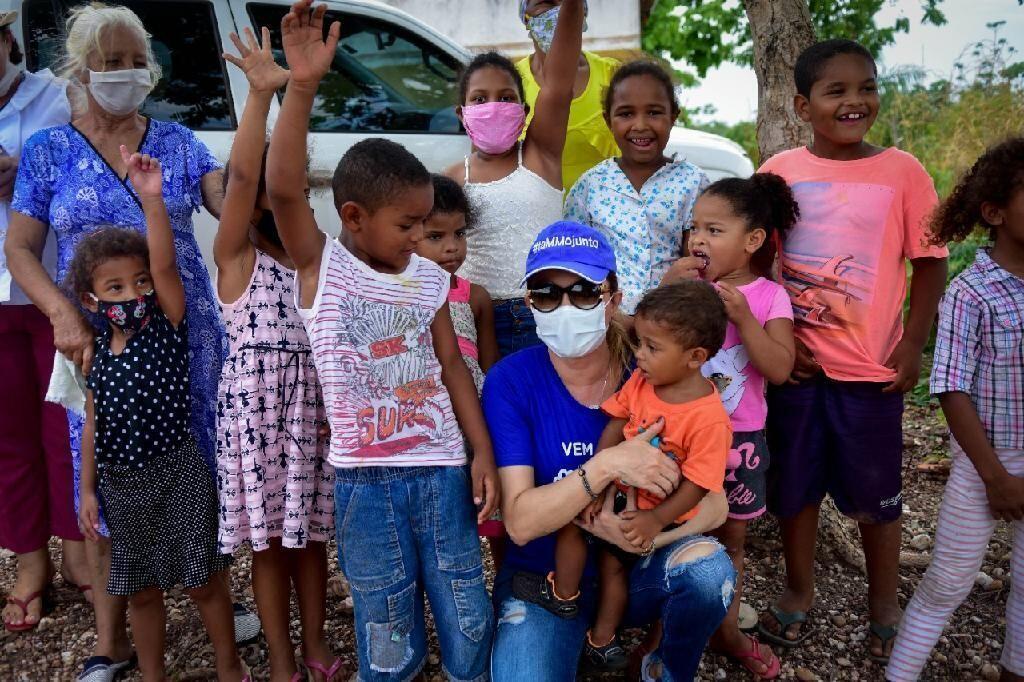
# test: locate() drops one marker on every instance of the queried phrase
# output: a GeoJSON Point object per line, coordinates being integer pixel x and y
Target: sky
{"type": "Point", "coordinates": [733, 89]}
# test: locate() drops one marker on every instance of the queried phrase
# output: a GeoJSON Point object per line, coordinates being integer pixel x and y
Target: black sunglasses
{"type": "Point", "coordinates": [582, 294]}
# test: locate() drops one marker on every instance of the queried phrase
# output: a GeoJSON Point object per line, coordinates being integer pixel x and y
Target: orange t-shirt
{"type": "Point", "coordinates": [844, 264]}
{"type": "Point", "coordinates": [697, 434]}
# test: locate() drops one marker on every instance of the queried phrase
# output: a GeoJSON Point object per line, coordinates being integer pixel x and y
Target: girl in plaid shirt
{"type": "Point", "coordinates": [978, 376]}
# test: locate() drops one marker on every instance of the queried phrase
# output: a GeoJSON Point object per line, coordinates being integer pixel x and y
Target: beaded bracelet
{"type": "Point", "coordinates": [586, 483]}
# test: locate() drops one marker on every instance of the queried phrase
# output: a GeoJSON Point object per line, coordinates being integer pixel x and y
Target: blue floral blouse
{"type": "Point", "coordinates": [64, 182]}
{"type": "Point", "coordinates": [647, 229]}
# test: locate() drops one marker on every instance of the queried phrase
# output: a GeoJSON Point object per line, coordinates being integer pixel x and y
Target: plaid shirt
{"type": "Point", "coordinates": [979, 347]}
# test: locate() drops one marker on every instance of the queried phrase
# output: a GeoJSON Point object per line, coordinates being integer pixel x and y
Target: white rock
{"type": "Point", "coordinates": [983, 580]}
{"type": "Point", "coordinates": [921, 542]}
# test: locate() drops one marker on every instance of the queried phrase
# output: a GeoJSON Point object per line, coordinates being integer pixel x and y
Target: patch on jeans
{"type": "Point", "coordinates": [513, 612]}
{"type": "Point", "coordinates": [728, 589]}
{"type": "Point", "coordinates": [389, 644]}
{"type": "Point", "coordinates": [473, 607]}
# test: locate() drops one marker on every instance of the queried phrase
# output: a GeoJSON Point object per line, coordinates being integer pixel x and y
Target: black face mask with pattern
{"type": "Point", "coordinates": [130, 316]}
{"type": "Point", "coordinates": [267, 227]}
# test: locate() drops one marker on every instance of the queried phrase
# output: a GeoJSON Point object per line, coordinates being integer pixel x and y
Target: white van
{"type": "Point", "coordinates": [393, 76]}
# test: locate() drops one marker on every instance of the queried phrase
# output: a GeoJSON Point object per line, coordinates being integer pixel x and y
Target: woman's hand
{"type": "Point", "coordinates": [257, 62]}
{"type": "Point", "coordinates": [608, 525]}
{"type": "Point", "coordinates": [302, 36]}
{"type": "Point", "coordinates": [805, 366]}
{"type": "Point", "coordinates": [89, 515]}
{"type": "Point", "coordinates": [144, 173]}
{"type": "Point", "coordinates": [73, 337]}
{"type": "Point", "coordinates": [637, 463]}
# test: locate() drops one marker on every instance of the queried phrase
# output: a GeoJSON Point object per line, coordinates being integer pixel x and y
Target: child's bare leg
{"type": "Point", "coordinates": [614, 596]}
{"type": "Point", "coordinates": [309, 567]}
{"type": "Point", "coordinates": [148, 630]}
{"type": "Point", "coordinates": [214, 606]}
{"type": "Point", "coordinates": [881, 542]}
{"type": "Point", "coordinates": [110, 611]}
{"type": "Point", "coordinates": [497, 545]}
{"type": "Point", "coordinates": [272, 589]}
{"type": "Point", "coordinates": [570, 560]}
{"type": "Point", "coordinates": [799, 538]}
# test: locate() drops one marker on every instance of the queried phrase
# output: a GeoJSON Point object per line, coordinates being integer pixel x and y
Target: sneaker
{"type": "Point", "coordinates": [247, 625]}
{"type": "Point", "coordinates": [608, 658]}
{"type": "Point", "coordinates": [549, 599]}
{"type": "Point", "coordinates": [103, 669]}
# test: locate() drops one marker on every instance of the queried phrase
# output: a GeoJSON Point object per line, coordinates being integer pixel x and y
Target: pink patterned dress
{"type": "Point", "coordinates": [272, 474]}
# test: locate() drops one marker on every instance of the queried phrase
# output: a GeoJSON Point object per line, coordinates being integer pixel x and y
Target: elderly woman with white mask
{"type": "Point", "coordinates": [72, 180]}
{"type": "Point", "coordinates": [35, 458]}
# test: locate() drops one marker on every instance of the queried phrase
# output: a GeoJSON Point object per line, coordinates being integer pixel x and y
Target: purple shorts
{"type": "Point", "coordinates": [840, 438]}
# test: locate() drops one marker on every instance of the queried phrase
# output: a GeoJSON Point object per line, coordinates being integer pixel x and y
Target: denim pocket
{"type": "Point", "coordinates": [389, 644]}
{"type": "Point", "coordinates": [473, 607]}
{"type": "Point", "coordinates": [368, 543]}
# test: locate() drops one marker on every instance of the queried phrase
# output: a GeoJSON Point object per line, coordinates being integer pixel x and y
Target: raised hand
{"type": "Point", "coordinates": [144, 173]}
{"type": "Point", "coordinates": [257, 62]}
{"type": "Point", "coordinates": [302, 36]}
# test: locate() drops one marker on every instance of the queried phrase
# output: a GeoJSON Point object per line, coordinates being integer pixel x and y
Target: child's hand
{"type": "Point", "coordinates": [906, 361]}
{"type": "Point", "coordinates": [805, 366]}
{"type": "Point", "coordinates": [89, 516]}
{"type": "Point", "coordinates": [263, 73]}
{"type": "Point", "coordinates": [640, 527]}
{"type": "Point", "coordinates": [687, 267]}
{"type": "Point", "coordinates": [302, 36]}
{"type": "Point", "coordinates": [144, 173]}
{"type": "Point", "coordinates": [595, 506]}
{"type": "Point", "coordinates": [1006, 498]}
{"type": "Point", "coordinates": [486, 491]}
{"type": "Point", "coordinates": [736, 306]}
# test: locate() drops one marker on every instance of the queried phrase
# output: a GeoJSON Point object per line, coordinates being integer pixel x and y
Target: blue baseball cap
{"type": "Point", "coordinates": [569, 246]}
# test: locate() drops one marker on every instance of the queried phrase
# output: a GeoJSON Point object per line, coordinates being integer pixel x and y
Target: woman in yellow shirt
{"type": "Point", "coordinates": [588, 140]}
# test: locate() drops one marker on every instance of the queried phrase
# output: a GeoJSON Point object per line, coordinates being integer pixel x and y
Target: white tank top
{"type": "Point", "coordinates": [510, 213]}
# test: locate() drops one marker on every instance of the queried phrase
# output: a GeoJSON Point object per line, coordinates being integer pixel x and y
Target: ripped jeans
{"type": "Point", "coordinates": [690, 597]}
{"type": "Point", "coordinates": [403, 532]}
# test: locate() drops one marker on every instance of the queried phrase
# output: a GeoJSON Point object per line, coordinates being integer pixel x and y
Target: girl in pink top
{"type": "Point", "coordinates": [276, 490]}
{"type": "Point", "coordinates": [736, 226]}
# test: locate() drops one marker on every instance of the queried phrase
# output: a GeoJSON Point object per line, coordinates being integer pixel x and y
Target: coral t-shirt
{"type": "Point", "coordinates": [697, 434]}
{"type": "Point", "coordinates": [737, 380]}
{"type": "Point", "coordinates": [844, 264]}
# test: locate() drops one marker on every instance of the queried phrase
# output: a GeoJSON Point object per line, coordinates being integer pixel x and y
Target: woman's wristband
{"type": "Point", "coordinates": [586, 484]}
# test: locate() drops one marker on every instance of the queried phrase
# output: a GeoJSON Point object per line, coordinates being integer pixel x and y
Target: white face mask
{"type": "Point", "coordinates": [569, 332]}
{"type": "Point", "coordinates": [120, 92]}
{"type": "Point", "coordinates": [10, 76]}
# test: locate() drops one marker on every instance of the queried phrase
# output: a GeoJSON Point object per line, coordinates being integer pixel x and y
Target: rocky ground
{"type": "Point", "coordinates": [969, 650]}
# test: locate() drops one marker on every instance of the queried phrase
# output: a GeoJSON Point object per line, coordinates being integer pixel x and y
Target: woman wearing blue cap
{"type": "Point", "coordinates": [541, 406]}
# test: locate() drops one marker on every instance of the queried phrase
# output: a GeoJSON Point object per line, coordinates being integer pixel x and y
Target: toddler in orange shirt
{"type": "Point", "coordinates": [677, 328]}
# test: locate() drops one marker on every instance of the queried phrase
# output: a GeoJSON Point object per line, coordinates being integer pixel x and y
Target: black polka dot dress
{"type": "Point", "coordinates": [157, 493]}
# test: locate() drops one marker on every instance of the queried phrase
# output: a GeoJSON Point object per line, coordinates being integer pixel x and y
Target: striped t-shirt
{"type": "Point", "coordinates": [374, 354]}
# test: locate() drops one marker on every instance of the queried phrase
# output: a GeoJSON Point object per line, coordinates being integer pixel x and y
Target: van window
{"type": "Point", "coordinates": [384, 78]}
{"type": "Point", "coordinates": [194, 88]}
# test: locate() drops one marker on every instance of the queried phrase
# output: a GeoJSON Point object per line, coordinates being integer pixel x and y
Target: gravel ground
{"type": "Point", "coordinates": [969, 650]}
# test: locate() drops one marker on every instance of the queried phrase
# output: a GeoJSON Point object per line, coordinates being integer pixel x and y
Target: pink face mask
{"type": "Point", "coordinates": [494, 127]}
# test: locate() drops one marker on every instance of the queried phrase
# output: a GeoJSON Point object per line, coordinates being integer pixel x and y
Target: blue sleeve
{"type": "Point", "coordinates": [575, 208]}
{"type": "Point", "coordinates": [507, 419]}
{"type": "Point", "coordinates": [34, 186]}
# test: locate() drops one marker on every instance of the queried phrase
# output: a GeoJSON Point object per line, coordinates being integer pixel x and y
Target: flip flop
{"type": "Point", "coordinates": [885, 634]}
{"type": "Point", "coordinates": [45, 606]}
{"type": "Point", "coordinates": [772, 666]}
{"type": "Point", "coordinates": [785, 619]}
{"type": "Point", "coordinates": [103, 669]}
{"type": "Point", "coordinates": [328, 673]}
{"type": "Point", "coordinates": [83, 588]}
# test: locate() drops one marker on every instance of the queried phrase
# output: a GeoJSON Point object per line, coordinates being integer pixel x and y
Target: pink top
{"type": "Point", "coordinates": [374, 354]}
{"type": "Point", "coordinates": [738, 381]}
{"type": "Point", "coordinates": [844, 264]}
{"type": "Point", "coordinates": [463, 318]}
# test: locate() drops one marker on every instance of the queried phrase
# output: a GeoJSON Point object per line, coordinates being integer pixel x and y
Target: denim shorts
{"type": "Point", "coordinates": [404, 532]}
{"type": "Point", "coordinates": [841, 438]}
{"type": "Point", "coordinates": [514, 326]}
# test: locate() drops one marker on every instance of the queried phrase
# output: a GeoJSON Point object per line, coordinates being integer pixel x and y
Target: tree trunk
{"type": "Point", "coordinates": [781, 30]}
{"type": "Point", "coordinates": [645, 11]}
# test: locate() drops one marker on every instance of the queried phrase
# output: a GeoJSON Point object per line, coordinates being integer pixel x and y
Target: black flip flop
{"type": "Point", "coordinates": [885, 634]}
{"type": "Point", "coordinates": [785, 619]}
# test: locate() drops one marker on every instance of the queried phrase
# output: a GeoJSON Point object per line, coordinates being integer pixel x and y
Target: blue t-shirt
{"type": "Point", "coordinates": [534, 421]}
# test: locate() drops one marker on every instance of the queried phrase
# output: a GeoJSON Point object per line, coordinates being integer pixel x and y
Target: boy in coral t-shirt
{"type": "Point", "coordinates": [838, 429]}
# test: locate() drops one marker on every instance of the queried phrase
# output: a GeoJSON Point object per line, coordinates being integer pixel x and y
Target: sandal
{"type": "Point", "coordinates": [785, 619]}
{"type": "Point", "coordinates": [328, 673]}
{"type": "Point", "coordinates": [45, 606]}
{"type": "Point", "coordinates": [885, 634]}
{"type": "Point", "coordinates": [772, 666]}
{"type": "Point", "coordinates": [104, 669]}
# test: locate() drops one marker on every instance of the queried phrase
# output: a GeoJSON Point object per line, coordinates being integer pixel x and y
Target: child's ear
{"type": "Point", "coordinates": [698, 356]}
{"type": "Point", "coordinates": [458, 112]}
{"type": "Point", "coordinates": [353, 216]}
{"type": "Point", "coordinates": [88, 302]}
{"type": "Point", "coordinates": [991, 214]}
{"type": "Point", "coordinates": [802, 105]}
{"type": "Point", "coordinates": [755, 240]}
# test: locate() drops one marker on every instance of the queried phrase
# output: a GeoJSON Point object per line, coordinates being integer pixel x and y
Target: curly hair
{"type": "Point", "coordinates": [692, 310]}
{"type": "Point", "coordinates": [994, 178]}
{"type": "Point", "coordinates": [449, 197]}
{"type": "Point", "coordinates": [98, 248]}
{"type": "Point", "coordinates": [639, 68]}
{"type": "Point", "coordinates": [765, 201]}
{"type": "Point", "coordinates": [490, 59]}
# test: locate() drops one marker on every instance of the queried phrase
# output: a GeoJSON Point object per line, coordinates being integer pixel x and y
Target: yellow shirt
{"type": "Point", "coordinates": [588, 140]}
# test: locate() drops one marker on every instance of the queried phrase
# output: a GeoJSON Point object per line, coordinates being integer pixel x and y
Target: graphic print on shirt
{"type": "Point", "coordinates": [831, 256]}
{"type": "Point", "coordinates": [727, 371]}
{"type": "Point", "coordinates": [392, 348]}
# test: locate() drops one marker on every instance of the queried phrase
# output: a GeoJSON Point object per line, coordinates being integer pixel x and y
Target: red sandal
{"type": "Point", "coordinates": [22, 604]}
{"type": "Point", "coordinates": [747, 659]}
{"type": "Point", "coordinates": [328, 673]}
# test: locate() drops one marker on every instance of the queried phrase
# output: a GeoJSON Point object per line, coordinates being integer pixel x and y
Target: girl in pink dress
{"type": "Point", "coordinates": [276, 491]}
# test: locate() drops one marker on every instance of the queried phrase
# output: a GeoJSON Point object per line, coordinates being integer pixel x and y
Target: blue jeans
{"type": "Point", "coordinates": [690, 598]}
{"type": "Point", "coordinates": [514, 326]}
{"type": "Point", "coordinates": [403, 531]}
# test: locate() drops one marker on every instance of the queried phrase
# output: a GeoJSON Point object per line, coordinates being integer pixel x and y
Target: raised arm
{"type": "Point", "coordinates": [148, 180]}
{"type": "Point", "coordinates": [233, 252]}
{"type": "Point", "coordinates": [309, 58]}
{"type": "Point", "coordinates": [545, 137]}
